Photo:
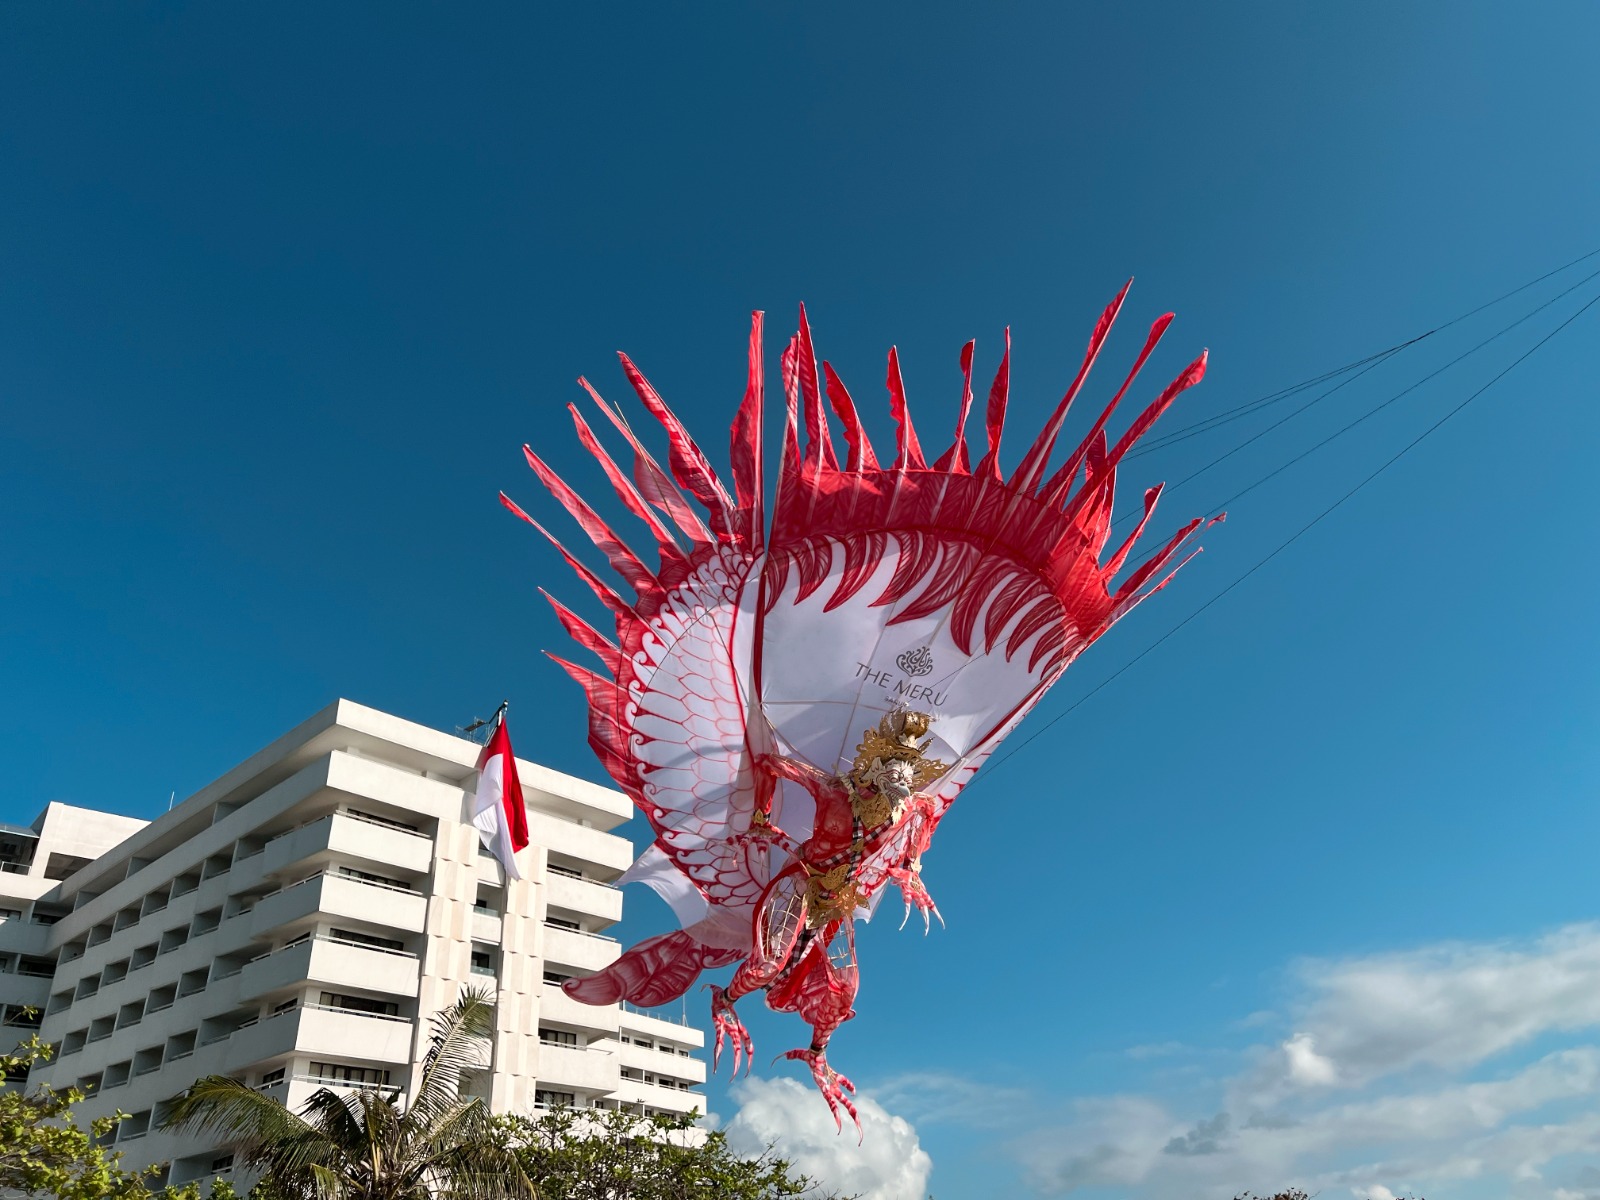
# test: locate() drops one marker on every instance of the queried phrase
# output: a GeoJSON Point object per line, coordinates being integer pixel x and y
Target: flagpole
{"type": "Point", "coordinates": [505, 907]}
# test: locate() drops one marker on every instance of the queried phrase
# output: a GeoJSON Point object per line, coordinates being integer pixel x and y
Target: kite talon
{"type": "Point", "coordinates": [836, 1089]}
{"type": "Point", "coordinates": [727, 1024]}
{"type": "Point", "coordinates": [916, 896]}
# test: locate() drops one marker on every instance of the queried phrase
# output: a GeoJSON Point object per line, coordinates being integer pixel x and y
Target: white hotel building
{"type": "Point", "coordinates": [296, 923]}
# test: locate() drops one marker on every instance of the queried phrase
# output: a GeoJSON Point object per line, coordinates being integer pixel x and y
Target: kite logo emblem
{"type": "Point", "coordinates": [916, 662]}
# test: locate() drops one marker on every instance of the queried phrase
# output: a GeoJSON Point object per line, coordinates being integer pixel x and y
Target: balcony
{"type": "Point", "coordinates": [339, 896]}
{"type": "Point", "coordinates": [33, 992]}
{"type": "Point", "coordinates": [332, 961]}
{"type": "Point", "coordinates": [583, 895]}
{"type": "Point", "coordinates": [659, 1062]}
{"type": "Point", "coordinates": [567, 1068]}
{"type": "Point", "coordinates": [670, 1023]}
{"type": "Point", "coordinates": [574, 948]}
{"type": "Point", "coordinates": [323, 1032]}
{"type": "Point", "coordinates": [344, 835]}
{"type": "Point", "coordinates": [303, 1086]}
{"type": "Point", "coordinates": [486, 927]}
{"type": "Point", "coordinates": [558, 1007]}
{"type": "Point", "coordinates": [634, 1091]}
{"type": "Point", "coordinates": [586, 845]}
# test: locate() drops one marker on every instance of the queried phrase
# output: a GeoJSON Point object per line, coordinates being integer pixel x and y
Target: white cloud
{"type": "Point", "coordinates": [1400, 1078]}
{"type": "Point", "coordinates": [1306, 1066]}
{"type": "Point", "coordinates": [888, 1163]}
{"type": "Point", "coordinates": [1110, 1140]}
{"type": "Point", "coordinates": [1450, 1006]}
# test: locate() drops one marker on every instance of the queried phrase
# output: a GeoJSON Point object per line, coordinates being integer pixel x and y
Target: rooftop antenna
{"type": "Point", "coordinates": [471, 730]}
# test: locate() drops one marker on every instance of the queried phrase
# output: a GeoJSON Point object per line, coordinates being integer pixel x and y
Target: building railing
{"type": "Point", "coordinates": [358, 1012]}
{"type": "Point", "coordinates": [658, 1016]}
{"type": "Point", "coordinates": [365, 818]}
{"type": "Point", "coordinates": [394, 826]}
{"type": "Point", "coordinates": [328, 1081]}
{"type": "Point", "coordinates": [602, 937]}
{"type": "Point", "coordinates": [337, 941]}
{"type": "Point", "coordinates": [334, 873]}
{"type": "Point", "coordinates": [569, 873]}
{"type": "Point", "coordinates": [591, 1048]}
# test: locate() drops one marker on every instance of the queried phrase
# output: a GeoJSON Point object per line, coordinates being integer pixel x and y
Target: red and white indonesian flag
{"type": "Point", "coordinates": [497, 808]}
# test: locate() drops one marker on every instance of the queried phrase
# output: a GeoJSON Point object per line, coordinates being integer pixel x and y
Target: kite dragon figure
{"type": "Point", "coordinates": [794, 707]}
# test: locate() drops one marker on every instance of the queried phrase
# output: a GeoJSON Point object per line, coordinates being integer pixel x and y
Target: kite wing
{"type": "Point", "coordinates": [948, 588]}
{"type": "Point", "coordinates": [671, 716]}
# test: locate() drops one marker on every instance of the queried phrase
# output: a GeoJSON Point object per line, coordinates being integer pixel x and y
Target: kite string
{"type": "Point", "coordinates": [1313, 523]}
{"type": "Point", "coordinates": [1369, 413]}
{"type": "Point", "coordinates": [1366, 364]}
{"type": "Point", "coordinates": [1207, 424]}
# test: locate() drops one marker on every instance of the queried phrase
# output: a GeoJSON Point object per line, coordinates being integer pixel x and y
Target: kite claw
{"type": "Point", "coordinates": [916, 896]}
{"type": "Point", "coordinates": [836, 1089]}
{"type": "Point", "coordinates": [727, 1025]}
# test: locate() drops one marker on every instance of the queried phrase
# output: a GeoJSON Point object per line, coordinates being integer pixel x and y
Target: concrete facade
{"type": "Point", "coordinates": [296, 923]}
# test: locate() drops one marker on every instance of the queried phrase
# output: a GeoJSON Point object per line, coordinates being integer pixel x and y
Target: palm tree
{"type": "Point", "coordinates": [364, 1145]}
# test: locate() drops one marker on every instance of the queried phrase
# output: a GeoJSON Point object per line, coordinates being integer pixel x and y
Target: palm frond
{"type": "Point", "coordinates": [454, 1048]}
{"type": "Point", "coordinates": [333, 1115]}
{"type": "Point", "coordinates": [329, 1184]}
{"type": "Point", "coordinates": [238, 1114]}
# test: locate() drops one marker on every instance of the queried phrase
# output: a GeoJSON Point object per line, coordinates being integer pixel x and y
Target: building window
{"type": "Point", "coordinates": [562, 923]}
{"type": "Point", "coordinates": [482, 961]}
{"type": "Point", "coordinates": [272, 1077]}
{"type": "Point", "coordinates": [557, 1037]}
{"type": "Point", "coordinates": [555, 978]}
{"type": "Point", "coordinates": [553, 1099]}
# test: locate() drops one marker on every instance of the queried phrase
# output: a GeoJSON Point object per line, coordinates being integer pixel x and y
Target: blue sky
{"type": "Point", "coordinates": [283, 290]}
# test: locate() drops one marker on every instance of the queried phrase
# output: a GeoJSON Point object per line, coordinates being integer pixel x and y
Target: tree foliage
{"type": "Point", "coordinates": [366, 1145]}
{"type": "Point", "coordinates": [44, 1151]}
{"type": "Point", "coordinates": [598, 1154]}
{"type": "Point", "coordinates": [42, 1147]}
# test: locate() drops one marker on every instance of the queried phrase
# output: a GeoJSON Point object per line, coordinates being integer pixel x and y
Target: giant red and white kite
{"type": "Point", "coordinates": [793, 704]}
